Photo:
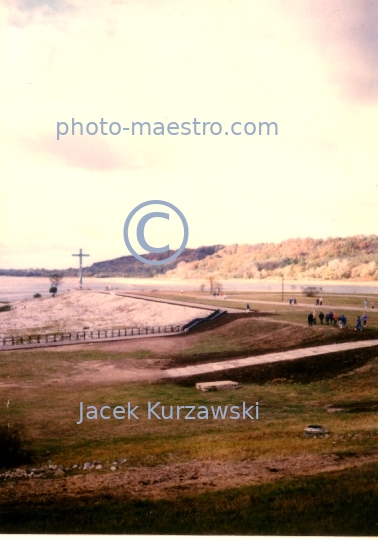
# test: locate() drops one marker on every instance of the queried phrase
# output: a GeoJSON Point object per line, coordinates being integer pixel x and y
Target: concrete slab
{"type": "Point", "coordinates": [217, 385]}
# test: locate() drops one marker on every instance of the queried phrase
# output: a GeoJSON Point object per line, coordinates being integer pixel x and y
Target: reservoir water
{"type": "Point", "coordinates": [19, 288]}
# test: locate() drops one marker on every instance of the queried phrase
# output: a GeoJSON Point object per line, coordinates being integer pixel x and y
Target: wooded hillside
{"type": "Point", "coordinates": [354, 257]}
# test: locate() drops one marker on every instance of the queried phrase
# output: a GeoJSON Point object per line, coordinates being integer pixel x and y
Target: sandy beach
{"type": "Point", "coordinates": [74, 310]}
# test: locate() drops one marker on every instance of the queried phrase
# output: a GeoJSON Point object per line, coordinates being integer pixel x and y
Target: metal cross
{"type": "Point", "coordinates": [81, 255]}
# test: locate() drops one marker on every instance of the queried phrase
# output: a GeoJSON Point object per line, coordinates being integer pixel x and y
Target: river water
{"type": "Point", "coordinates": [19, 288]}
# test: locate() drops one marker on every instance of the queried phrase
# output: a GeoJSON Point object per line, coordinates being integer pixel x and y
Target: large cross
{"type": "Point", "coordinates": [81, 255]}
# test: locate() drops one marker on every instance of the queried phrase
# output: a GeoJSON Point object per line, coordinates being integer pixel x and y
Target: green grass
{"type": "Point", "coordinates": [49, 413]}
{"type": "Point", "coordinates": [342, 503]}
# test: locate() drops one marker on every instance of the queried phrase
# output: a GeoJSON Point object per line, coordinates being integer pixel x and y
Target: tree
{"type": "Point", "coordinates": [311, 291]}
{"type": "Point", "coordinates": [53, 290]}
{"type": "Point", "coordinates": [211, 280]}
{"type": "Point", "coordinates": [56, 279]}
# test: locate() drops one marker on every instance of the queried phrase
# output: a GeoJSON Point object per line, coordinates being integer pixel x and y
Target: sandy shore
{"type": "Point", "coordinates": [74, 310]}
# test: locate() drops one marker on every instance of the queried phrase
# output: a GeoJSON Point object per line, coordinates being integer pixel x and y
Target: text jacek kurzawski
{"type": "Point", "coordinates": [170, 412]}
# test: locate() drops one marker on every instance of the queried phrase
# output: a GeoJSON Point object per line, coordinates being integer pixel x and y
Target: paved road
{"type": "Point", "coordinates": [324, 307]}
{"type": "Point", "coordinates": [268, 358]}
{"type": "Point", "coordinates": [213, 304]}
{"type": "Point", "coordinates": [210, 306]}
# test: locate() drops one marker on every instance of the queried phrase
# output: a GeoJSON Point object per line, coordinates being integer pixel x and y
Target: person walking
{"type": "Point", "coordinates": [372, 305]}
{"type": "Point", "coordinates": [320, 301]}
{"type": "Point", "coordinates": [321, 317]}
{"type": "Point", "coordinates": [358, 323]}
{"type": "Point", "coordinates": [247, 308]}
{"type": "Point", "coordinates": [364, 319]}
{"type": "Point", "coordinates": [314, 317]}
{"type": "Point", "coordinates": [310, 319]}
{"type": "Point", "coordinates": [365, 304]}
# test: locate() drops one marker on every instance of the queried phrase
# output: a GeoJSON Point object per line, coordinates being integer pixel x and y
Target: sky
{"type": "Point", "coordinates": [310, 66]}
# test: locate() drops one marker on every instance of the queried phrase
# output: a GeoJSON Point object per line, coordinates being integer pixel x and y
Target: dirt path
{"type": "Point", "coordinates": [171, 481]}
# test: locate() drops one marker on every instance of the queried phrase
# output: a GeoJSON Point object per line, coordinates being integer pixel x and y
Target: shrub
{"type": "Point", "coordinates": [37, 295]}
{"type": "Point", "coordinates": [7, 307]}
{"type": "Point", "coordinates": [311, 291]}
{"type": "Point", "coordinates": [13, 449]}
{"type": "Point", "coordinates": [53, 290]}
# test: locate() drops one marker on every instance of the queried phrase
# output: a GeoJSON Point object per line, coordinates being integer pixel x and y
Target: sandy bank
{"type": "Point", "coordinates": [74, 310]}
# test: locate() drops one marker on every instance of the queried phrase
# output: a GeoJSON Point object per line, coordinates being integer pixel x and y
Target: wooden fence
{"type": "Point", "coordinates": [93, 334]}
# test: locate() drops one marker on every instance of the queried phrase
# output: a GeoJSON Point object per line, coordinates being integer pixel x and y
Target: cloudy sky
{"type": "Point", "coordinates": [310, 66]}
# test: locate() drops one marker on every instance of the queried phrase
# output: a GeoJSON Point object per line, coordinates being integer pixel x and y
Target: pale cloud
{"type": "Point", "coordinates": [92, 154]}
{"type": "Point", "coordinates": [346, 35]}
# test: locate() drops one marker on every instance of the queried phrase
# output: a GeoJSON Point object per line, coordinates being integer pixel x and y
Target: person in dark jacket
{"type": "Point", "coordinates": [310, 319]}
{"type": "Point", "coordinates": [321, 317]}
{"type": "Point", "coordinates": [358, 323]}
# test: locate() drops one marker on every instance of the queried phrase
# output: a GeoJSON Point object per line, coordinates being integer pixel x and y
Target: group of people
{"type": "Point", "coordinates": [312, 318]}
{"type": "Point", "coordinates": [333, 319]}
{"type": "Point", "coordinates": [372, 304]}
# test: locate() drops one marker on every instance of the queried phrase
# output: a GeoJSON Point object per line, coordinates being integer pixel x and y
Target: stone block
{"type": "Point", "coordinates": [217, 385]}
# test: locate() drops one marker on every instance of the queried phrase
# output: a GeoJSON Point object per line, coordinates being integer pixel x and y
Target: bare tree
{"type": "Point", "coordinates": [311, 291]}
{"type": "Point", "coordinates": [211, 280]}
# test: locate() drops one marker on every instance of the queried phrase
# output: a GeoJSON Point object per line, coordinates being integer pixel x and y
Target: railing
{"type": "Point", "coordinates": [199, 320]}
{"type": "Point", "coordinates": [93, 334]}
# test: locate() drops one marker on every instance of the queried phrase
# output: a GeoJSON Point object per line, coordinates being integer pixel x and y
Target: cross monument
{"type": "Point", "coordinates": [81, 255]}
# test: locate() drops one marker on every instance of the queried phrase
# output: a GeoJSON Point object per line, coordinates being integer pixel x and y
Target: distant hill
{"type": "Point", "coordinates": [354, 257]}
{"type": "Point", "coordinates": [126, 266]}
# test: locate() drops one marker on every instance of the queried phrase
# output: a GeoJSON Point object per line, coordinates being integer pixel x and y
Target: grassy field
{"type": "Point", "coordinates": [43, 393]}
{"type": "Point", "coordinates": [49, 412]}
